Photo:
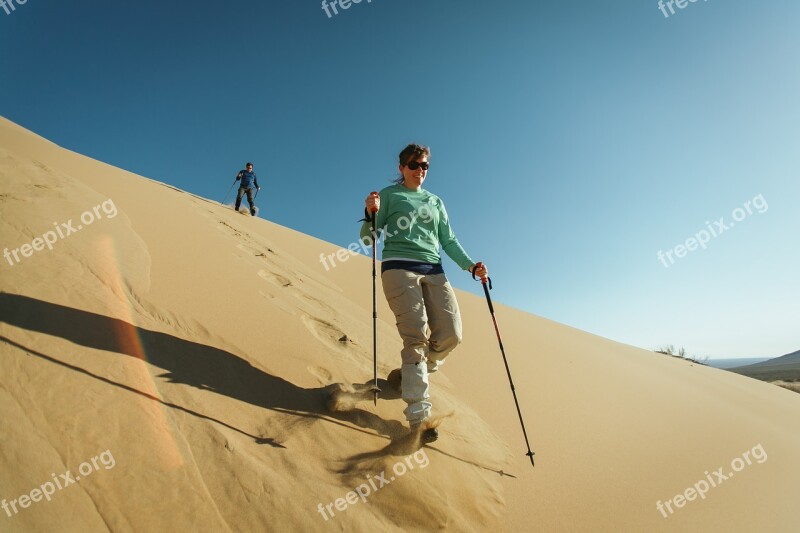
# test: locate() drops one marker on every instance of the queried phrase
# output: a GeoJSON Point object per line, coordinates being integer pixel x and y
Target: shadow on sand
{"type": "Point", "coordinates": [187, 362]}
{"type": "Point", "coordinates": [211, 369]}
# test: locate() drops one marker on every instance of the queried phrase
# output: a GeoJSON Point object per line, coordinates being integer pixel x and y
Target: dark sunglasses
{"type": "Point", "coordinates": [414, 165]}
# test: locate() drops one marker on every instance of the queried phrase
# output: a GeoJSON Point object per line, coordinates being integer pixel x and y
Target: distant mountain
{"type": "Point", "coordinates": [727, 364]}
{"type": "Point", "coordinates": [788, 359]}
{"type": "Point", "coordinates": [786, 368]}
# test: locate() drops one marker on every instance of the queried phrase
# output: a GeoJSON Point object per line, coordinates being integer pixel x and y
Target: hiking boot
{"type": "Point", "coordinates": [428, 435]}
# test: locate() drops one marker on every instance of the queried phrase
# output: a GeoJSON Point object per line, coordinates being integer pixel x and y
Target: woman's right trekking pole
{"type": "Point", "coordinates": [487, 285]}
{"type": "Point", "coordinates": [229, 192]}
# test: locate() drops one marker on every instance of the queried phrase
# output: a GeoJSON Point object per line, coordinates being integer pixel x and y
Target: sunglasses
{"type": "Point", "coordinates": [414, 165]}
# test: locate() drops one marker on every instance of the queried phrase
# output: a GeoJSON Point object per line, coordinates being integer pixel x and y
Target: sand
{"type": "Point", "coordinates": [198, 348]}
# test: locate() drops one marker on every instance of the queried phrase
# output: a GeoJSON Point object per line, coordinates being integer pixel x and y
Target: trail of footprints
{"type": "Point", "coordinates": [316, 315]}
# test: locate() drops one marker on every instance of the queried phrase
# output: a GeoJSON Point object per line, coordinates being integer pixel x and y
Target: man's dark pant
{"type": "Point", "coordinates": [249, 199]}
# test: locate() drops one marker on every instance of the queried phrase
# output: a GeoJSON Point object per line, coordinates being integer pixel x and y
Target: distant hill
{"type": "Point", "coordinates": [727, 364]}
{"type": "Point", "coordinates": [784, 368]}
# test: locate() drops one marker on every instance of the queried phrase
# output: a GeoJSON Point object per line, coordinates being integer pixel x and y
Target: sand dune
{"type": "Point", "coordinates": [199, 349]}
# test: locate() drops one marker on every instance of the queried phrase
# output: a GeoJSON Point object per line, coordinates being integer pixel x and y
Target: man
{"type": "Point", "coordinates": [248, 180]}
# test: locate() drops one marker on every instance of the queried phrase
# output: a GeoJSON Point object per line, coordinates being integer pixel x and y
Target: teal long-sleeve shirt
{"type": "Point", "coordinates": [414, 224]}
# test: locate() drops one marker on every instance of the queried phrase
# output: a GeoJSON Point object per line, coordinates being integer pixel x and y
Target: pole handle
{"type": "Point", "coordinates": [483, 279]}
{"type": "Point", "coordinates": [374, 193]}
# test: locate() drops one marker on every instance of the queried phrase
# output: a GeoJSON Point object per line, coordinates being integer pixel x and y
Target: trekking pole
{"type": "Point", "coordinates": [229, 192]}
{"type": "Point", "coordinates": [484, 281]}
{"type": "Point", "coordinates": [375, 388]}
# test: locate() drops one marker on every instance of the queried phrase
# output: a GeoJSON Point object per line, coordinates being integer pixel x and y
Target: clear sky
{"type": "Point", "coordinates": [572, 140]}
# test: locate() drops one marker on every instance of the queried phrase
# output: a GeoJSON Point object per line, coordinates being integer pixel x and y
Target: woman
{"type": "Point", "coordinates": [415, 225]}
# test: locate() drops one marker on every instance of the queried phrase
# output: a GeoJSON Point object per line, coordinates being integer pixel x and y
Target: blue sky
{"type": "Point", "coordinates": [571, 140]}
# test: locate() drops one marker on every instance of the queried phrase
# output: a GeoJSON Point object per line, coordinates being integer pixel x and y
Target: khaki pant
{"type": "Point", "coordinates": [429, 323]}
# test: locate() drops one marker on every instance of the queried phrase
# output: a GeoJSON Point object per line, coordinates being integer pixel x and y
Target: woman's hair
{"type": "Point", "coordinates": [409, 153]}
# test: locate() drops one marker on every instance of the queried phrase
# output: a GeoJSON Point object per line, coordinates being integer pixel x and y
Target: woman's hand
{"type": "Point", "coordinates": [479, 270]}
{"type": "Point", "coordinates": [373, 202]}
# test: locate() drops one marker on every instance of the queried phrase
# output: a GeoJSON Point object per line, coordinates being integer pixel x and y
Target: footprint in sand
{"type": "Point", "coordinates": [277, 279]}
{"type": "Point", "coordinates": [232, 230]}
{"type": "Point", "coordinates": [308, 303]}
{"type": "Point", "coordinates": [249, 249]}
{"type": "Point", "coordinates": [42, 166]}
{"type": "Point", "coordinates": [269, 256]}
{"type": "Point", "coordinates": [322, 374]}
{"type": "Point", "coordinates": [333, 337]}
{"type": "Point", "coordinates": [279, 303]}
{"type": "Point", "coordinates": [316, 305]}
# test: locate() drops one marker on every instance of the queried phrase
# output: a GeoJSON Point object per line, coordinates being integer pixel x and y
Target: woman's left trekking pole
{"type": "Point", "coordinates": [486, 281]}
{"type": "Point", "coordinates": [375, 388]}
